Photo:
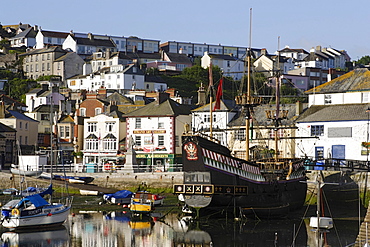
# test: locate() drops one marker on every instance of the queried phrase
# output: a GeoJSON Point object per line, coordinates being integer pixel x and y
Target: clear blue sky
{"type": "Point", "coordinates": [341, 25]}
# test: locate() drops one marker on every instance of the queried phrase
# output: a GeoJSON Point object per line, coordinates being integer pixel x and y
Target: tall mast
{"type": "Point", "coordinates": [247, 119]}
{"type": "Point", "coordinates": [277, 102]}
{"type": "Point", "coordinates": [210, 99]}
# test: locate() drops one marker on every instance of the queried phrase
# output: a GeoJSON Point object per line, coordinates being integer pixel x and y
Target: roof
{"type": "Point", "coordinates": [66, 119]}
{"type": "Point", "coordinates": [94, 42]}
{"type": "Point", "coordinates": [342, 112]}
{"type": "Point", "coordinates": [6, 128]}
{"type": "Point", "coordinates": [287, 49]}
{"type": "Point", "coordinates": [167, 108]}
{"type": "Point", "coordinates": [18, 115]}
{"type": "Point", "coordinates": [178, 58]}
{"type": "Point", "coordinates": [119, 99]}
{"type": "Point", "coordinates": [54, 34]}
{"type": "Point", "coordinates": [44, 50]}
{"type": "Point", "coordinates": [355, 80]}
{"type": "Point", "coordinates": [28, 33]}
{"type": "Point", "coordinates": [224, 57]}
{"type": "Point", "coordinates": [46, 108]}
{"type": "Point", "coordinates": [259, 114]}
{"type": "Point", "coordinates": [205, 108]}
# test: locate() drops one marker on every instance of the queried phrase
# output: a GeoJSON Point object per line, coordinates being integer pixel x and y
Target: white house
{"type": "Point", "coordinates": [336, 131]}
{"type": "Point", "coordinates": [337, 119]}
{"type": "Point", "coordinates": [102, 135]}
{"type": "Point", "coordinates": [87, 46]}
{"type": "Point", "coordinates": [49, 38]}
{"type": "Point", "coordinates": [156, 130]}
{"type": "Point", "coordinates": [118, 77]}
{"type": "Point", "coordinates": [229, 64]}
{"type": "Point", "coordinates": [201, 121]}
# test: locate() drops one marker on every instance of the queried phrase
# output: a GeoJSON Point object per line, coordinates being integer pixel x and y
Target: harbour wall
{"type": "Point", "coordinates": [168, 179]}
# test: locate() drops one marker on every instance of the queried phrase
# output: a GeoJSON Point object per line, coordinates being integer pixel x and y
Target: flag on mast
{"type": "Point", "coordinates": [218, 95]}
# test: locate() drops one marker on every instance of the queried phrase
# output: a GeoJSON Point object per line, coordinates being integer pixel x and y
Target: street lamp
{"type": "Point", "coordinates": [367, 137]}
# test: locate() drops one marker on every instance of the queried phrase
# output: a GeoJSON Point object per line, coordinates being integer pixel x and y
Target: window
{"type": "Point", "coordinates": [68, 132]}
{"type": "Point", "coordinates": [240, 135]}
{"type": "Point", "coordinates": [317, 130]}
{"type": "Point", "coordinates": [138, 141]}
{"type": "Point", "coordinates": [91, 144]}
{"type": "Point", "coordinates": [61, 131]}
{"type": "Point", "coordinates": [43, 67]}
{"type": "Point", "coordinates": [20, 140]}
{"type": "Point", "coordinates": [91, 127]}
{"type": "Point", "coordinates": [365, 97]}
{"type": "Point", "coordinates": [160, 140]}
{"type": "Point", "coordinates": [160, 125]}
{"type": "Point", "coordinates": [280, 133]}
{"type": "Point", "coordinates": [26, 126]}
{"type": "Point", "coordinates": [327, 98]}
{"type": "Point", "coordinates": [48, 66]}
{"type": "Point", "coordinates": [177, 141]}
{"type": "Point", "coordinates": [97, 111]}
{"type": "Point", "coordinates": [82, 112]}
{"type": "Point", "coordinates": [138, 123]}
{"type": "Point", "coordinates": [26, 140]}
{"type": "Point", "coordinates": [109, 126]}
{"type": "Point", "coordinates": [20, 125]}
{"type": "Point", "coordinates": [48, 56]}
{"type": "Point", "coordinates": [36, 67]}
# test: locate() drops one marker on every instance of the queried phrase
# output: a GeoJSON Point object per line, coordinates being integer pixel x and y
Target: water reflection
{"type": "Point", "coordinates": [56, 237]}
{"type": "Point", "coordinates": [115, 229]}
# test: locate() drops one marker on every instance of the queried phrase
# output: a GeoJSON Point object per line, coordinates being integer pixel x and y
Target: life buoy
{"type": "Point", "coordinates": [107, 166]}
{"type": "Point", "coordinates": [15, 211]}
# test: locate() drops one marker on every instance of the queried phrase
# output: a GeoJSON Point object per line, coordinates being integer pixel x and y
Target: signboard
{"type": "Point", "coordinates": [149, 131]}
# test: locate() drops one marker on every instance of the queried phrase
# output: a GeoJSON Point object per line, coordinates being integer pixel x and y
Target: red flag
{"type": "Point", "coordinates": [218, 95]}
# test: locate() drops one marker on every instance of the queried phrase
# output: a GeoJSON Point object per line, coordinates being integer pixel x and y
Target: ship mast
{"type": "Point", "coordinates": [210, 99]}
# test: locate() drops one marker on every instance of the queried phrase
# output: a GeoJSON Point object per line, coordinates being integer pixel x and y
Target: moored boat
{"type": "Point", "coordinates": [142, 203]}
{"type": "Point", "coordinates": [119, 197]}
{"type": "Point", "coordinates": [32, 211]}
{"type": "Point", "coordinates": [30, 173]}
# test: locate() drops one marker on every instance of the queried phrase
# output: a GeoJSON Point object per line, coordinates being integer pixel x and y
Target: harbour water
{"type": "Point", "coordinates": [119, 228]}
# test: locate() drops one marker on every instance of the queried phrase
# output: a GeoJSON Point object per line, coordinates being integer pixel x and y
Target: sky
{"type": "Point", "coordinates": [342, 25]}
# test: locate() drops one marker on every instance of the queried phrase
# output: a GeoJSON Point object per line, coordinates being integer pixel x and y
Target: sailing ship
{"type": "Point", "coordinates": [214, 179]}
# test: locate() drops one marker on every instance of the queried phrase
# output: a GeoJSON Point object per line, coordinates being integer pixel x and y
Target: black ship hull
{"type": "Point", "coordinates": [215, 179]}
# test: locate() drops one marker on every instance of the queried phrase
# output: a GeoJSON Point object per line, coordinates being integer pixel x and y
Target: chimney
{"type": "Point", "coordinates": [45, 87]}
{"type": "Point", "coordinates": [90, 36]}
{"type": "Point", "coordinates": [162, 97]}
{"type": "Point", "coordinates": [102, 93]}
{"type": "Point", "coordinates": [2, 110]}
{"type": "Point", "coordinates": [298, 108]}
{"type": "Point", "coordinates": [35, 28]}
{"type": "Point", "coordinates": [263, 51]}
{"type": "Point", "coordinates": [201, 95]}
{"type": "Point", "coordinates": [180, 51]}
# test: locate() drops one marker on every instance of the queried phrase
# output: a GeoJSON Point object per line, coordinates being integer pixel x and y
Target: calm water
{"type": "Point", "coordinates": [112, 229]}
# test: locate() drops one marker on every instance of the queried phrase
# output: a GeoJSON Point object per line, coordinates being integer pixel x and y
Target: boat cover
{"type": "Point", "coordinates": [119, 194]}
{"type": "Point", "coordinates": [36, 200]}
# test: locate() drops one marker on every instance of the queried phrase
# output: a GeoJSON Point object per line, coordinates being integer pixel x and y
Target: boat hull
{"type": "Point", "coordinates": [16, 171]}
{"type": "Point", "coordinates": [46, 218]}
{"type": "Point", "coordinates": [215, 179]}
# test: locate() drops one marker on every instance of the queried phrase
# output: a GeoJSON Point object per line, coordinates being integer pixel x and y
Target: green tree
{"type": "Point", "coordinates": [365, 60]}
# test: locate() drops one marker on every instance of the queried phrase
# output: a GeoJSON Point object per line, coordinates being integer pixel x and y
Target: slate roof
{"type": "Point", "coordinates": [66, 119]}
{"type": "Point", "coordinates": [6, 128]}
{"type": "Point", "coordinates": [223, 57]}
{"type": "Point", "coordinates": [287, 49]}
{"type": "Point", "coordinates": [18, 115]}
{"type": "Point", "coordinates": [28, 33]}
{"type": "Point", "coordinates": [119, 99]}
{"type": "Point", "coordinates": [94, 42]}
{"type": "Point", "coordinates": [178, 58]}
{"type": "Point", "coordinates": [205, 108]}
{"type": "Point", "coordinates": [46, 108]}
{"type": "Point", "coordinates": [167, 108]}
{"type": "Point", "coordinates": [54, 34]}
{"type": "Point", "coordinates": [44, 50]}
{"type": "Point", "coordinates": [342, 112]}
{"type": "Point", "coordinates": [259, 115]}
{"type": "Point", "coordinates": [355, 80]}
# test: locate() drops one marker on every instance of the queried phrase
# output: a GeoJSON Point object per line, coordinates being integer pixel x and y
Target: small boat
{"type": "Point", "coordinates": [33, 211]}
{"type": "Point", "coordinates": [120, 197]}
{"type": "Point", "coordinates": [74, 179]}
{"type": "Point", "coordinates": [17, 171]}
{"type": "Point", "coordinates": [9, 191]}
{"type": "Point", "coordinates": [158, 200]}
{"type": "Point", "coordinates": [89, 192]}
{"type": "Point", "coordinates": [142, 203]}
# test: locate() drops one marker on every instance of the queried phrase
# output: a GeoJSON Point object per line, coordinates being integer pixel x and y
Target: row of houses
{"type": "Point", "coordinates": [85, 53]}
{"type": "Point", "coordinates": [95, 132]}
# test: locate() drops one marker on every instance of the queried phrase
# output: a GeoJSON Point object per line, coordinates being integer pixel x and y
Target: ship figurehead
{"type": "Point", "coordinates": [191, 150]}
